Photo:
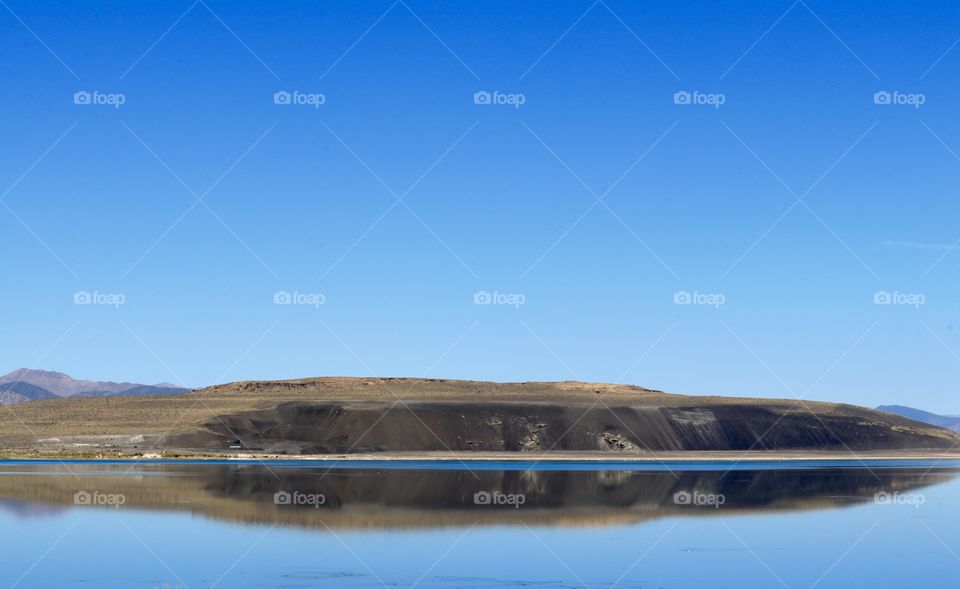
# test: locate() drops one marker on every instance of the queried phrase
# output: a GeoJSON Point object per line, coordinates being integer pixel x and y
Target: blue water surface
{"type": "Point", "coordinates": [913, 541]}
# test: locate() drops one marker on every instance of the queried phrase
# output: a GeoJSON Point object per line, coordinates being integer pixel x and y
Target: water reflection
{"type": "Point", "coordinates": [396, 498]}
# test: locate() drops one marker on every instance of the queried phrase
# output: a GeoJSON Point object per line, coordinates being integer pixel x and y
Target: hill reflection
{"type": "Point", "coordinates": [388, 498]}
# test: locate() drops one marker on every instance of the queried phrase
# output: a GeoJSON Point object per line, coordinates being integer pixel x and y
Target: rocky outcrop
{"type": "Point", "coordinates": [343, 427]}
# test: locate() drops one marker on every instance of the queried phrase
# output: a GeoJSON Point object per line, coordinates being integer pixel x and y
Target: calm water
{"type": "Point", "coordinates": [478, 525]}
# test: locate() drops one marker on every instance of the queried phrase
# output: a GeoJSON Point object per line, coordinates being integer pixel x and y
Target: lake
{"type": "Point", "coordinates": [478, 524]}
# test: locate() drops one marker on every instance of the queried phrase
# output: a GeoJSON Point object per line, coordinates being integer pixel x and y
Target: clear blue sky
{"type": "Point", "coordinates": [495, 197]}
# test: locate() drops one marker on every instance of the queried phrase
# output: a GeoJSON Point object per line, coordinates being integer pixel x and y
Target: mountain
{"type": "Point", "coordinates": [947, 421]}
{"type": "Point", "coordinates": [12, 393]}
{"type": "Point", "coordinates": [25, 384]}
{"type": "Point", "coordinates": [61, 384]}
{"type": "Point", "coordinates": [138, 390]}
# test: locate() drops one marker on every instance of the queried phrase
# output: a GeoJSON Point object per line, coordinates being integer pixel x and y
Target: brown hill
{"type": "Point", "coordinates": [370, 415]}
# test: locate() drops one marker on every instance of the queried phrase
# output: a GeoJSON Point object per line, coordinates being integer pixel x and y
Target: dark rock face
{"type": "Point", "coordinates": [378, 426]}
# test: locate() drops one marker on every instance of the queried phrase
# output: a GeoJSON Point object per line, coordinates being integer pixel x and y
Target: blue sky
{"type": "Point", "coordinates": [585, 211]}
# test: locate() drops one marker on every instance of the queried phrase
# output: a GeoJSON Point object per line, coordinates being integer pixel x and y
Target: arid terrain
{"type": "Point", "coordinates": [384, 416]}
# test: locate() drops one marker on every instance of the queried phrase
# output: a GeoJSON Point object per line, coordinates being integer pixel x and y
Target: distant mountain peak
{"type": "Point", "coordinates": [61, 384]}
{"type": "Point", "coordinates": [947, 421]}
{"type": "Point", "coordinates": [19, 373]}
{"type": "Point", "coordinates": [58, 384]}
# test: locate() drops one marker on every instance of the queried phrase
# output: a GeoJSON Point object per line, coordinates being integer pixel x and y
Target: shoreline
{"type": "Point", "coordinates": [862, 459]}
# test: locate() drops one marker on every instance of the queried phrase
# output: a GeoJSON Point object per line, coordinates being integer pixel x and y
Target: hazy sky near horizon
{"type": "Point", "coordinates": [789, 170]}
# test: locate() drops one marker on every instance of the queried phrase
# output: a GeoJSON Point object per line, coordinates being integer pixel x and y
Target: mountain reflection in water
{"type": "Point", "coordinates": [359, 497]}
